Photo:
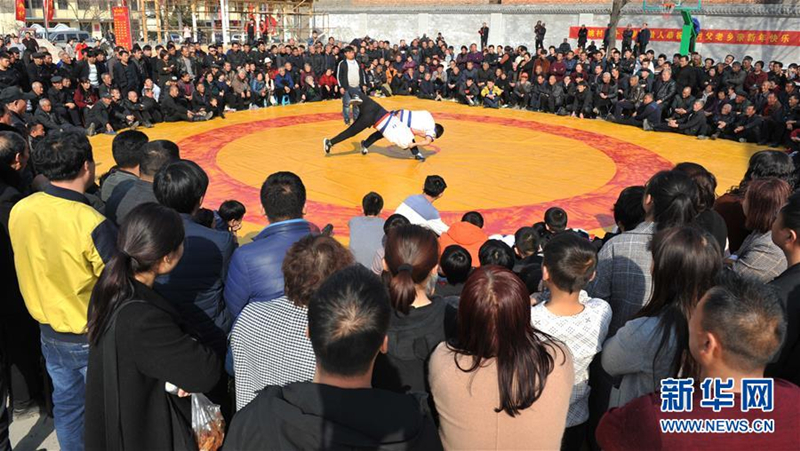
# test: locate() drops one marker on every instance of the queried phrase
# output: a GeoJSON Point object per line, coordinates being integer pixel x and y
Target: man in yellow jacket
{"type": "Point", "coordinates": [60, 245]}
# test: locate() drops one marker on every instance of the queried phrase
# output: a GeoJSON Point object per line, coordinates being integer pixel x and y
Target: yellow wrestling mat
{"type": "Point", "coordinates": [509, 165]}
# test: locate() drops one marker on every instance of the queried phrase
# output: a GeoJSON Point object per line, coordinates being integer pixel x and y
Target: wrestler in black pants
{"type": "Point", "coordinates": [370, 114]}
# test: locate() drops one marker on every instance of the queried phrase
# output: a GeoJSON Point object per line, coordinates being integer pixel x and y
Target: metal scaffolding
{"type": "Point", "coordinates": [224, 21]}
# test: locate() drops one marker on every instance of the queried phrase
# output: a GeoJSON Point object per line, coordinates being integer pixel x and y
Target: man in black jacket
{"type": "Point", "coordinates": [352, 79]}
{"type": "Point", "coordinates": [748, 127]}
{"type": "Point", "coordinates": [339, 409]}
{"type": "Point", "coordinates": [692, 124]}
{"type": "Point", "coordinates": [126, 75]}
{"type": "Point", "coordinates": [642, 39]}
{"type": "Point", "coordinates": [176, 108]}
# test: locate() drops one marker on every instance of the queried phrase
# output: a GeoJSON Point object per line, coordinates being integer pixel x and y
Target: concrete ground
{"type": "Point", "coordinates": [33, 431]}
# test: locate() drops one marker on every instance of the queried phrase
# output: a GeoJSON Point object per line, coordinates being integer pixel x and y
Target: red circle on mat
{"type": "Point", "coordinates": [633, 166]}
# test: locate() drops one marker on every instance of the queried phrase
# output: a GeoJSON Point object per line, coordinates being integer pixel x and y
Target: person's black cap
{"type": "Point", "coordinates": [38, 55]}
{"type": "Point", "coordinates": [56, 79]}
{"type": "Point", "coordinates": [4, 55]}
{"type": "Point", "coordinates": [13, 50]}
{"type": "Point", "coordinates": [105, 95]}
{"type": "Point", "coordinates": [12, 94]}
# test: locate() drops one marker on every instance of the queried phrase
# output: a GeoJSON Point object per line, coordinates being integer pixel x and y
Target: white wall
{"type": "Point", "coordinates": [515, 27]}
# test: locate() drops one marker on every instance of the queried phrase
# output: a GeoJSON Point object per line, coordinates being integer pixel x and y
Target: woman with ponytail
{"type": "Point", "coordinates": [500, 383]}
{"type": "Point", "coordinates": [420, 321]}
{"type": "Point", "coordinates": [137, 347]}
{"type": "Point", "coordinates": [655, 344]}
{"type": "Point", "coordinates": [623, 267]}
{"type": "Point", "coordinates": [758, 257]}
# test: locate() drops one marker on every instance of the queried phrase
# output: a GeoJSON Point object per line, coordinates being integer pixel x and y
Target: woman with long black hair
{"type": "Point", "coordinates": [137, 346]}
{"type": "Point", "coordinates": [500, 383]}
{"type": "Point", "coordinates": [655, 344]}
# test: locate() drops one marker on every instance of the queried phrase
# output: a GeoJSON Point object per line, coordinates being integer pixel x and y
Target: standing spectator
{"type": "Point", "coordinates": [196, 284]}
{"type": "Point", "coordinates": [785, 232]}
{"type": "Point", "coordinates": [255, 270]}
{"type": "Point", "coordinates": [269, 341]}
{"type": "Point", "coordinates": [419, 209]}
{"type": "Point", "coordinates": [759, 257]}
{"type": "Point", "coordinates": [348, 318]}
{"type": "Point", "coordinates": [484, 34]}
{"type": "Point", "coordinates": [421, 320]}
{"type": "Point", "coordinates": [366, 232]}
{"type": "Point", "coordinates": [627, 38]}
{"type": "Point", "coordinates": [734, 332]}
{"type": "Point", "coordinates": [583, 34]}
{"type": "Point", "coordinates": [571, 316]}
{"type": "Point", "coordinates": [655, 344]}
{"type": "Point", "coordinates": [131, 193]}
{"type": "Point", "coordinates": [135, 335]}
{"type": "Point", "coordinates": [539, 31]}
{"type": "Point", "coordinates": [707, 218]}
{"type": "Point", "coordinates": [500, 384]}
{"type": "Point", "coordinates": [20, 345]}
{"type": "Point", "coordinates": [642, 39]}
{"type": "Point", "coordinates": [351, 79]}
{"type": "Point", "coordinates": [127, 149]}
{"type": "Point", "coordinates": [624, 263]}
{"type": "Point", "coordinates": [61, 245]}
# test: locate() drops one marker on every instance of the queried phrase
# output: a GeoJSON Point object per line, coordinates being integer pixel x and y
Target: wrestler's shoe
{"type": "Point", "coordinates": [326, 144]}
{"type": "Point", "coordinates": [356, 101]}
{"type": "Point", "coordinates": [364, 149]}
{"type": "Point", "coordinates": [419, 157]}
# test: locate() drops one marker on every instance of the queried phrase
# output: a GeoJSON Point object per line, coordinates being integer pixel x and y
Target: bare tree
{"type": "Point", "coordinates": [616, 14]}
{"type": "Point", "coordinates": [89, 10]}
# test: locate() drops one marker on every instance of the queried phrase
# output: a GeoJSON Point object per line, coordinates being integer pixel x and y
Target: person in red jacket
{"type": "Point", "coordinates": [468, 234]}
{"type": "Point", "coordinates": [329, 85]}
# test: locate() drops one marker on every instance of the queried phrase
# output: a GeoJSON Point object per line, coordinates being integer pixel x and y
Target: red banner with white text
{"type": "Point", "coordinates": [746, 37]}
{"type": "Point", "coordinates": [122, 26]}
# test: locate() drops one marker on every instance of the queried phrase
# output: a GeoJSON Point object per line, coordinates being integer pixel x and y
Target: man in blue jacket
{"type": "Point", "coordinates": [255, 273]}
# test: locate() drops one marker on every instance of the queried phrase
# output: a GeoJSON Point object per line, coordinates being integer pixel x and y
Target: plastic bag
{"type": "Point", "coordinates": [207, 423]}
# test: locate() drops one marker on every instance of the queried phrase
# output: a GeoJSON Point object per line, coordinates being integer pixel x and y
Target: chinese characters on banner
{"type": "Point", "coordinates": [122, 26]}
{"type": "Point", "coordinates": [20, 6]}
{"type": "Point", "coordinates": [751, 37]}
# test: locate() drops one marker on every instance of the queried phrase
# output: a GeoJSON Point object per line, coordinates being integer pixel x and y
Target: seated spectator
{"type": "Point", "coordinates": [269, 341]}
{"type": "Point", "coordinates": [763, 164]}
{"type": "Point", "coordinates": [496, 252]}
{"type": "Point", "coordinates": [176, 108]}
{"type": "Point", "coordinates": [785, 232]}
{"type": "Point", "coordinates": [654, 344]}
{"type": "Point", "coordinates": [419, 209]}
{"type": "Point", "coordinates": [348, 321]}
{"type": "Point", "coordinates": [255, 270]}
{"type": "Point", "coordinates": [735, 330]}
{"type": "Point", "coordinates": [528, 265]}
{"type": "Point", "coordinates": [135, 335]}
{"type": "Point", "coordinates": [468, 233]}
{"type": "Point", "coordinates": [455, 266]}
{"type": "Point", "coordinates": [707, 218]}
{"type": "Point", "coordinates": [196, 284]}
{"type": "Point", "coordinates": [568, 314]}
{"type": "Point", "coordinates": [500, 384]}
{"type": "Point", "coordinates": [421, 321]}
{"type": "Point", "coordinates": [229, 216]}
{"type": "Point", "coordinates": [758, 256]}
{"type": "Point", "coordinates": [366, 232]}
{"type": "Point", "coordinates": [129, 194]}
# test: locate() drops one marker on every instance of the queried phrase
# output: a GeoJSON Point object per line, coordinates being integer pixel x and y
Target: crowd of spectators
{"type": "Point", "coordinates": [744, 100]}
{"type": "Point", "coordinates": [422, 335]}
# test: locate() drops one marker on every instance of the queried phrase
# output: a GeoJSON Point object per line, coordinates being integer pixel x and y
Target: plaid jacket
{"type": "Point", "coordinates": [760, 258]}
{"type": "Point", "coordinates": [623, 274]}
